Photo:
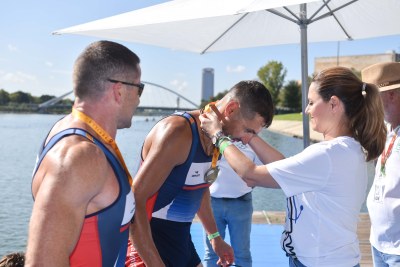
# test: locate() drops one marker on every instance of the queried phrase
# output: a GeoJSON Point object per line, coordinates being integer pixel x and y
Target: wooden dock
{"type": "Point", "coordinates": [364, 224]}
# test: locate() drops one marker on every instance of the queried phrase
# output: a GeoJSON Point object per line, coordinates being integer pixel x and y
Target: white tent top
{"type": "Point", "coordinates": [215, 25]}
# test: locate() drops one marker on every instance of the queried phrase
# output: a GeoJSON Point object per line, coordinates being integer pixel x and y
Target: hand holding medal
{"type": "Point", "coordinates": [212, 173]}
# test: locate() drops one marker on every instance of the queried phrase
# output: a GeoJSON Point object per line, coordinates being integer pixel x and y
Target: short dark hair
{"type": "Point", "coordinates": [254, 98]}
{"type": "Point", "coordinates": [15, 259]}
{"type": "Point", "coordinates": [100, 61]}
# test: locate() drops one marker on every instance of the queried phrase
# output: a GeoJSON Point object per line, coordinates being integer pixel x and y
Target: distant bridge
{"type": "Point", "coordinates": [152, 101]}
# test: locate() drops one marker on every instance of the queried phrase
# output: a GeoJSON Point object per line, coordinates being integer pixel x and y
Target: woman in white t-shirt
{"type": "Point", "coordinates": [325, 184]}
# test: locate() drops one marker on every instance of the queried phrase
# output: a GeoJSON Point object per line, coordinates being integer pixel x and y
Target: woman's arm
{"type": "Point", "coordinates": [252, 174]}
{"type": "Point", "coordinates": [264, 151]}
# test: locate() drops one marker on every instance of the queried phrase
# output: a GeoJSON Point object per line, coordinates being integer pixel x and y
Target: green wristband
{"type": "Point", "coordinates": [212, 236]}
{"type": "Point", "coordinates": [222, 139]}
{"type": "Point", "coordinates": [224, 144]}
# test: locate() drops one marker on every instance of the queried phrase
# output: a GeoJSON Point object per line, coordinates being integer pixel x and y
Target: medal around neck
{"type": "Point", "coordinates": [211, 175]}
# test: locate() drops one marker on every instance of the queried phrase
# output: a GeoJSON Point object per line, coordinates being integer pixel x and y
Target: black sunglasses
{"type": "Point", "coordinates": [140, 85]}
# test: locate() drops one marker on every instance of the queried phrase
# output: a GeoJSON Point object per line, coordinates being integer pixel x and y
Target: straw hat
{"type": "Point", "coordinates": [384, 75]}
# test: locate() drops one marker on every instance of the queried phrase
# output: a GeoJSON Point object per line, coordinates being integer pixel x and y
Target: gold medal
{"type": "Point", "coordinates": [211, 175]}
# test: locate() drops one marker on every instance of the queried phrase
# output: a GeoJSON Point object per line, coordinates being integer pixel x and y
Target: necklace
{"type": "Point", "coordinates": [104, 136]}
{"type": "Point", "coordinates": [385, 154]}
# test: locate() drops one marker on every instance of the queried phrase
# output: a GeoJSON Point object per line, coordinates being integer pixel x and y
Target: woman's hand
{"type": "Point", "coordinates": [210, 123]}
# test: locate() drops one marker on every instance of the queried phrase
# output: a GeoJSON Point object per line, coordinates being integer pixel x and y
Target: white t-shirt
{"type": "Point", "coordinates": [383, 201]}
{"type": "Point", "coordinates": [326, 185]}
{"type": "Point", "coordinates": [228, 183]}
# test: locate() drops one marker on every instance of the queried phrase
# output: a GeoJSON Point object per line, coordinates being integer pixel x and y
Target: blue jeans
{"type": "Point", "coordinates": [296, 263]}
{"type": "Point", "coordinates": [236, 214]}
{"type": "Point", "coordinates": [384, 260]}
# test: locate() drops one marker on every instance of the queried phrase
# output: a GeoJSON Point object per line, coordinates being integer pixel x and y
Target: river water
{"type": "Point", "coordinates": [21, 136]}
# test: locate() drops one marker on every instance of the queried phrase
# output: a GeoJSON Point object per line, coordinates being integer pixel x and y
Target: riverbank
{"type": "Point", "coordinates": [293, 129]}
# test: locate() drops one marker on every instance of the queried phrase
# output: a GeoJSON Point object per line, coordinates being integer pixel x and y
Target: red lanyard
{"type": "Point", "coordinates": [105, 137]}
{"type": "Point", "coordinates": [385, 155]}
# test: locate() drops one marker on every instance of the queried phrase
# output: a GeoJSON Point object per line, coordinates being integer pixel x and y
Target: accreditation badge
{"type": "Point", "coordinates": [379, 190]}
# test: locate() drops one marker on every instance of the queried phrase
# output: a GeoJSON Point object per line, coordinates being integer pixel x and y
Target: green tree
{"type": "Point", "coordinates": [67, 102]}
{"type": "Point", "coordinates": [4, 97]}
{"type": "Point", "coordinates": [21, 97]}
{"type": "Point", "coordinates": [44, 98]}
{"type": "Point", "coordinates": [291, 96]}
{"type": "Point", "coordinates": [272, 75]}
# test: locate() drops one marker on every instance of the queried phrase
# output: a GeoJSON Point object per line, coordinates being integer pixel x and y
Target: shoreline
{"type": "Point", "coordinates": [294, 129]}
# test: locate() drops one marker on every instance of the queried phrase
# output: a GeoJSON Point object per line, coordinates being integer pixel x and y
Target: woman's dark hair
{"type": "Point", "coordinates": [362, 103]}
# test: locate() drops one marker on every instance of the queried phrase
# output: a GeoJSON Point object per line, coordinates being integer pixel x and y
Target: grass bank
{"type": "Point", "coordinates": [289, 117]}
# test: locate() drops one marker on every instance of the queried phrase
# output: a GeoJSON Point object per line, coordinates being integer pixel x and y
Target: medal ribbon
{"type": "Point", "coordinates": [385, 155]}
{"type": "Point", "coordinates": [207, 108]}
{"type": "Point", "coordinates": [215, 157]}
{"type": "Point", "coordinates": [104, 136]}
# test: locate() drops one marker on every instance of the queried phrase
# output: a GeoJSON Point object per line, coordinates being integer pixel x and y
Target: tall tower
{"type": "Point", "coordinates": [207, 84]}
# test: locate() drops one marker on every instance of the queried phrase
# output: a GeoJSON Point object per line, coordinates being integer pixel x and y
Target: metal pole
{"type": "Point", "coordinates": [304, 73]}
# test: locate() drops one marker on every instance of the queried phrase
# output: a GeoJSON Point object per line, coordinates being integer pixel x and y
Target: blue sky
{"type": "Point", "coordinates": [35, 61]}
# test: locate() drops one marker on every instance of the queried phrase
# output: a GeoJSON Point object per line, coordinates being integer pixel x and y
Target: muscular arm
{"type": "Point", "coordinates": [221, 248]}
{"type": "Point", "coordinates": [64, 186]}
{"type": "Point", "coordinates": [166, 146]}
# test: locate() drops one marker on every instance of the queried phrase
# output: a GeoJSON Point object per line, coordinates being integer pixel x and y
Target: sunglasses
{"type": "Point", "coordinates": [138, 85]}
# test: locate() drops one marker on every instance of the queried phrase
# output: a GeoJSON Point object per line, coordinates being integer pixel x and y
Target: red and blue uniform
{"type": "Point", "coordinates": [104, 236]}
{"type": "Point", "coordinates": [172, 209]}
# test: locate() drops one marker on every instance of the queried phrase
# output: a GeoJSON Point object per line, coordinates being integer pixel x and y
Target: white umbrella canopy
{"type": "Point", "coordinates": [193, 25]}
{"type": "Point", "coordinates": [203, 26]}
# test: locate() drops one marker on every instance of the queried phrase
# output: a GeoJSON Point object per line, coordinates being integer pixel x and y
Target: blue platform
{"type": "Point", "coordinates": [264, 244]}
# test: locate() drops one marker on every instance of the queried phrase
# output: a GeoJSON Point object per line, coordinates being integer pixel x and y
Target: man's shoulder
{"type": "Point", "coordinates": [176, 125]}
{"type": "Point", "coordinates": [75, 151]}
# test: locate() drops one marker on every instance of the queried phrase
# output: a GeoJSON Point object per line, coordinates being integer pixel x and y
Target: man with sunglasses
{"type": "Point", "coordinates": [140, 86]}
{"type": "Point", "coordinates": [81, 186]}
{"type": "Point", "coordinates": [179, 162]}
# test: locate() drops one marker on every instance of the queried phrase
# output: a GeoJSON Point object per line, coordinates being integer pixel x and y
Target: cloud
{"type": "Point", "coordinates": [17, 77]}
{"type": "Point", "coordinates": [12, 48]}
{"type": "Point", "coordinates": [48, 64]}
{"type": "Point", "coordinates": [179, 85]}
{"type": "Point", "coordinates": [237, 69]}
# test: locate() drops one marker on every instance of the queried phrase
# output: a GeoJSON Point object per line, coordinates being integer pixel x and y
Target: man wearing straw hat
{"type": "Point", "coordinates": [383, 200]}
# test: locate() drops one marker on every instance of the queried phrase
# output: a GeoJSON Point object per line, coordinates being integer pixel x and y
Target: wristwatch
{"type": "Point", "coordinates": [215, 137]}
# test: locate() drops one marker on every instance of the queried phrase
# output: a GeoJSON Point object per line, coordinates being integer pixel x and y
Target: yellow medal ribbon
{"type": "Point", "coordinates": [216, 152]}
{"type": "Point", "coordinates": [105, 137]}
{"type": "Point", "coordinates": [212, 173]}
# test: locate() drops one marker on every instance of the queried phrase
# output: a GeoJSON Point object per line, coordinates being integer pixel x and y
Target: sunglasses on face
{"type": "Point", "coordinates": [140, 86]}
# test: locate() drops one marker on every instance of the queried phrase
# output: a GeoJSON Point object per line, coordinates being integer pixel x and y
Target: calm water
{"type": "Point", "coordinates": [20, 138]}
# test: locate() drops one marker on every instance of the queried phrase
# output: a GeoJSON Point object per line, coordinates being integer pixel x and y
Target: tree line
{"type": "Point", "coordinates": [25, 102]}
{"type": "Point", "coordinates": [285, 96]}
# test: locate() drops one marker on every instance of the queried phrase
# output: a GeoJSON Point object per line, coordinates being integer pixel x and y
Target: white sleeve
{"type": "Point", "coordinates": [307, 171]}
